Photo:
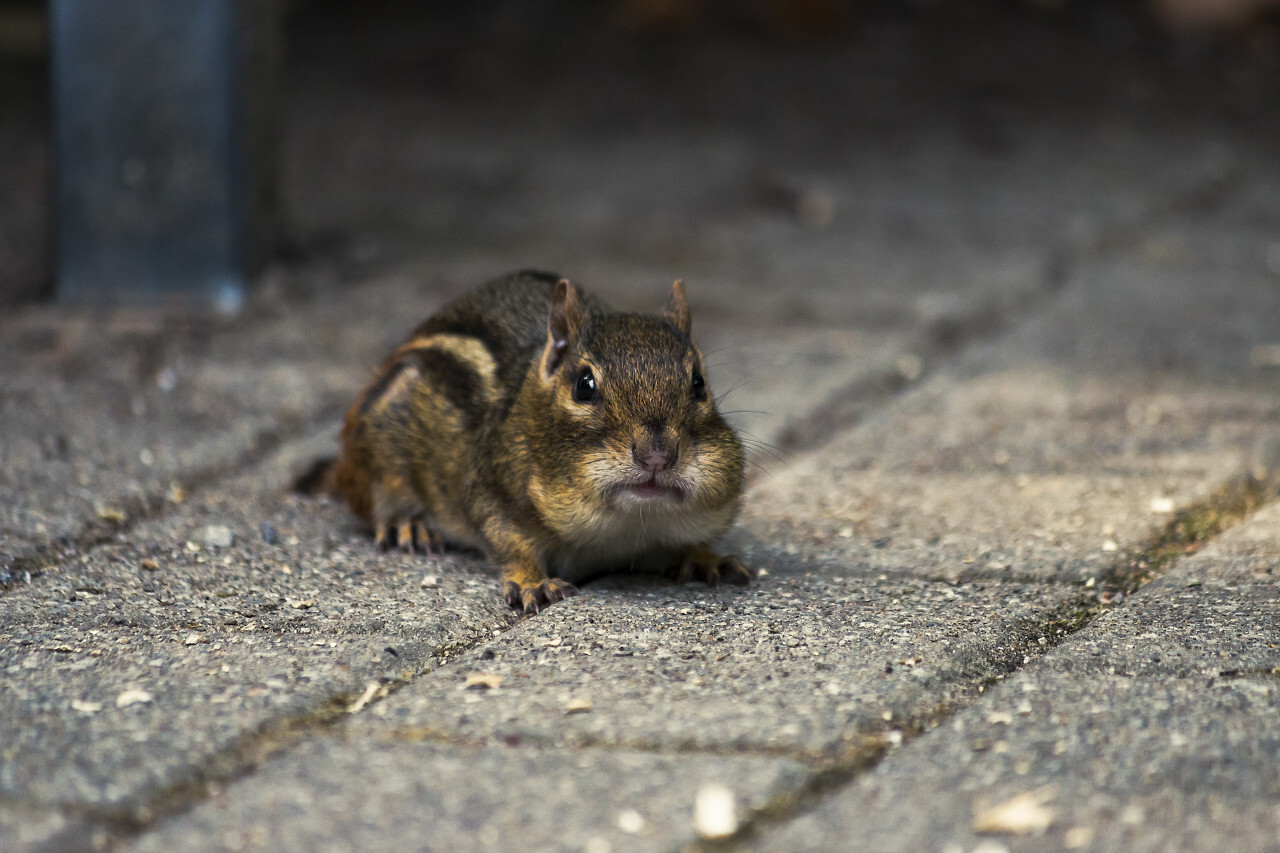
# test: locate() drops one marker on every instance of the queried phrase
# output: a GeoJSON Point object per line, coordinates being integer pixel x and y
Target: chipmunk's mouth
{"type": "Point", "coordinates": [653, 489]}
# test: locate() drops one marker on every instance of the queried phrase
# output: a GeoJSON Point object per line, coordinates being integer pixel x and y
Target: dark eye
{"type": "Point", "coordinates": [584, 387]}
{"type": "Point", "coordinates": [699, 386]}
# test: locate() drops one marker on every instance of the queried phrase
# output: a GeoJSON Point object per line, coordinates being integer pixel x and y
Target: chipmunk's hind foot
{"type": "Point", "coordinates": [411, 537]}
{"type": "Point", "coordinates": [700, 563]}
{"type": "Point", "coordinates": [531, 598]}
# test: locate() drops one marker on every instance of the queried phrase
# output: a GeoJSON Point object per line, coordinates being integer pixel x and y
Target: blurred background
{"type": "Point", "coordinates": [751, 140]}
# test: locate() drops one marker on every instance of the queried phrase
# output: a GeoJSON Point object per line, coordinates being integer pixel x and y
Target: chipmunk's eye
{"type": "Point", "coordinates": [699, 387]}
{"type": "Point", "coordinates": [584, 387]}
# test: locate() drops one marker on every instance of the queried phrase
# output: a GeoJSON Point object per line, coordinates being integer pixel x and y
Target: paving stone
{"type": "Point", "coordinates": [1154, 728]}
{"type": "Point", "coordinates": [495, 799]}
{"type": "Point", "coordinates": [1014, 474]}
{"type": "Point", "coordinates": [222, 643]}
{"type": "Point", "coordinates": [806, 663]}
{"type": "Point", "coordinates": [1050, 451]}
{"type": "Point", "coordinates": [103, 416]}
{"type": "Point", "coordinates": [133, 715]}
{"type": "Point", "coordinates": [767, 377]}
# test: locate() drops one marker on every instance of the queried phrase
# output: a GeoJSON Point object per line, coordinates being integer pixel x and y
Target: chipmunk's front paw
{"type": "Point", "coordinates": [409, 536]}
{"type": "Point", "coordinates": [532, 597]}
{"type": "Point", "coordinates": [703, 564]}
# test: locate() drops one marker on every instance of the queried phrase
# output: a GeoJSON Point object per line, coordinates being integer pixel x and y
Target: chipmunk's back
{"type": "Point", "coordinates": [508, 316]}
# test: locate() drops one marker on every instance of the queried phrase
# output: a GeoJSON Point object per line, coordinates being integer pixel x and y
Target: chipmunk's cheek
{"type": "Point", "coordinates": [710, 476]}
{"type": "Point", "coordinates": [694, 460]}
{"type": "Point", "coordinates": [601, 478]}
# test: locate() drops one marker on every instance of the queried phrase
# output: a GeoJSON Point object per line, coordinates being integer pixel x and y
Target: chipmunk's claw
{"type": "Point", "coordinates": [429, 540]}
{"type": "Point", "coordinates": [404, 537]}
{"type": "Point", "coordinates": [732, 570]}
{"type": "Point", "coordinates": [411, 537]}
{"type": "Point", "coordinates": [532, 598]}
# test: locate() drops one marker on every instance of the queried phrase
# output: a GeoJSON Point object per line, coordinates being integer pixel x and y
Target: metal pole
{"type": "Point", "coordinates": [154, 188]}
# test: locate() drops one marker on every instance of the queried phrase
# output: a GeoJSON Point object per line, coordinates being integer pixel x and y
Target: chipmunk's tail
{"type": "Point", "coordinates": [319, 479]}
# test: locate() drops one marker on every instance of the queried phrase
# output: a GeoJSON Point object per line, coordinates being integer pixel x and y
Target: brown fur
{"type": "Point", "coordinates": [470, 433]}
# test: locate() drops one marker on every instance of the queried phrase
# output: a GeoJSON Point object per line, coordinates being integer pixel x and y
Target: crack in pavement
{"type": "Point", "coordinates": [137, 509]}
{"type": "Point", "coordinates": [238, 760]}
{"type": "Point", "coordinates": [1192, 528]}
{"type": "Point", "coordinates": [946, 337]}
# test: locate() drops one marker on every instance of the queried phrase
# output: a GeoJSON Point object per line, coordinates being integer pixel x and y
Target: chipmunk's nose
{"type": "Point", "coordinates": [654, 456]}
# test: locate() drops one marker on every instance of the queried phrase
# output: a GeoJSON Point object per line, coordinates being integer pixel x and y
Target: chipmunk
{"type": "Point", "coordinates": [562, 439]}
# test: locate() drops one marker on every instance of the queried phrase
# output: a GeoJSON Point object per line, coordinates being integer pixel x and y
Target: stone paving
{"type": "Point", "coordinates": [1016, 451]}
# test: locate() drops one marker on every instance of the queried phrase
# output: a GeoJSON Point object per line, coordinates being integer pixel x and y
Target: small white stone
{"type": "Point", "coordinates": [1110, 545]}
{"type": "Point", "coordinates": [482, 680]}
{"type": "Point", "coordinates": [1023, 814]}
{"type": "Point", "coordinates": [430, 580]}
{"type": "Point", "coordinates": [1162, 504]}
{"type": "Point", "coordinates": [218, 536]}
{"type": "Point", "coordinates": [133, 696]}
{"type": "Point", "coordinates": [715, 814]}
{"type": "Point", "coordinates": [630, 821]}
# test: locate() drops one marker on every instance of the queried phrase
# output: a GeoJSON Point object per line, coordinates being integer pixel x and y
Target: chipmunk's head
{"type": "Point", "coordinates": [632, 420]}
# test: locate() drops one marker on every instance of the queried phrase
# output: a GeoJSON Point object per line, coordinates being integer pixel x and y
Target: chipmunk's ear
{"type": "Point", "coordinates": [567, 316]}
{"type": "Point", "coordinates": [676, 311]}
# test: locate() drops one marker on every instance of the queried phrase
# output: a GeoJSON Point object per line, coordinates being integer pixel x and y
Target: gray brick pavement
{"type": "Point", "coordinates": [1002, 392]}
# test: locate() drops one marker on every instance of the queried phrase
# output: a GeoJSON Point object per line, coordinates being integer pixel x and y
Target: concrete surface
{"type": "Point", "coordinates": [1005, 365]}
{"type": "Point", "coordinates": [1154, 728]}
{"type": "Point", "coordinates": [593, 799]}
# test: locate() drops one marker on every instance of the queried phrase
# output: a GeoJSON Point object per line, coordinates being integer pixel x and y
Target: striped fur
{"type": "Point", "coordinates": [470, 433]}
